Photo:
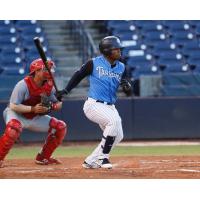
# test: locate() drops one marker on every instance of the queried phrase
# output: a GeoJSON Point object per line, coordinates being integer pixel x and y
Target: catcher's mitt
{"type": "Point", "coordinates": [46, 102]}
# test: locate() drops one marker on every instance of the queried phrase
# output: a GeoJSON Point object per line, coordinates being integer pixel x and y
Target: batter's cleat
{"type": "Point", "coordinates": [93, 165]}
{"type": "Point", "coordinates": [40, 160]}
{"type": "Point", "coordinates": [105, 163]}
{"type": "Point", "coordinates": [100, 163]}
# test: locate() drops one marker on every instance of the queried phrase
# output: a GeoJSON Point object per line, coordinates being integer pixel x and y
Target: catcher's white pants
{"type": "Point", "coordinates": [109, 121]}
{"type": "Point", "coordinates": [40, 123]}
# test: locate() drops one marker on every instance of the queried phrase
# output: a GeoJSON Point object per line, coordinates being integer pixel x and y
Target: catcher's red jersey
{"type": "Point", "coordinates": [35, 93]}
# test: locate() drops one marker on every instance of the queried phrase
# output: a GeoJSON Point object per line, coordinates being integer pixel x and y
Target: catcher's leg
{"type": "Point", "coordinates": [57, 132]}
{"type": "Point", "coordinates": [11, 134]}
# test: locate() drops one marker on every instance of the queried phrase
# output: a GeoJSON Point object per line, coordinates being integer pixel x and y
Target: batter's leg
{"type": "Point", "coordinates": [119, 129]}
{"type": "Point", "coordinates": [96, 152]}
{"type": "Point", "coordinates": [106, 117]}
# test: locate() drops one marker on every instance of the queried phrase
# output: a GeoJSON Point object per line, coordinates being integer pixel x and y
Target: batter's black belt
{"type": "Point", "coordinates": [104, 102]}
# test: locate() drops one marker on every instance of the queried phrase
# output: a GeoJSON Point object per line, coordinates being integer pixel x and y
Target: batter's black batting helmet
{"type": "Point", "coordinates": [108, 43]}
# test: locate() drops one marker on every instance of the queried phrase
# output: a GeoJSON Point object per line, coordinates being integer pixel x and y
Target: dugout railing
{"type": "Point", "coordinates": [87, 47]}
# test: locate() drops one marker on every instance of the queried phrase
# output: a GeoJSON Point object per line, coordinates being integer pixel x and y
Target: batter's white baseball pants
{"type": "Point", "coordinates": [109, 121]}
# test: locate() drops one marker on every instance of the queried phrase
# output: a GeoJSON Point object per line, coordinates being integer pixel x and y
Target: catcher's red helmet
{"type": "Point", "coordinates": [39, 64]}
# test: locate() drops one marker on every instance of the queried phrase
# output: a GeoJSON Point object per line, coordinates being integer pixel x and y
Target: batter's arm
{"type": "Point", "coordinates": [79, 75]}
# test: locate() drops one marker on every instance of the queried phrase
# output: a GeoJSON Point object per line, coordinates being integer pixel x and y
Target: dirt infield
{"type": "Point", "coordinates": [124, 167]}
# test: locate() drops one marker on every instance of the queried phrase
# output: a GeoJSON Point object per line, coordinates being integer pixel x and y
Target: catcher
{"type": "Point", "coordinates": [30, 103]}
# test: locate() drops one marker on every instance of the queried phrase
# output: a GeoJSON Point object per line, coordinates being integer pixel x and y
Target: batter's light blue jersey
{"type": "Point", "coordinates": [105, 80]}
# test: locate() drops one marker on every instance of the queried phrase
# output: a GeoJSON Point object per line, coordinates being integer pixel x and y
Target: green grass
{"type": "Point", "coordinates": [78, 151]}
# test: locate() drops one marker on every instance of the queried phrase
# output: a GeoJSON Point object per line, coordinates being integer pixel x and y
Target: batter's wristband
{"type": "Point", "coordinates": [54, 106]}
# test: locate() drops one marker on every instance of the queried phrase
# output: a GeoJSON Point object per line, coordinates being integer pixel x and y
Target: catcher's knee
{"type": "Point", "coordinates": [60, 128]}
{"type": "Point", "coordinates": [13, 129]}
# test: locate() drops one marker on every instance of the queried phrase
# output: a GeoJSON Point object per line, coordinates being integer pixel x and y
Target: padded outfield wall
{"type": "Point", "coordinates": [143, 118]}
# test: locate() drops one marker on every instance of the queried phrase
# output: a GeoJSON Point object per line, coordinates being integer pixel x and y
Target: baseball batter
{"type": "Point", "coordinates": [31, 101]}
{"type": "Point", "coordinates": [105, 73]}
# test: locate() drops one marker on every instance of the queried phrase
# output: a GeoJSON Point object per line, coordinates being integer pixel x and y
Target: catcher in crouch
{"type": "Point", "coordinates": [31, 101]}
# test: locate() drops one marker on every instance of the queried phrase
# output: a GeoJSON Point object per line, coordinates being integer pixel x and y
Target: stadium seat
{"type": "Point", "coordinates": [12, 49]}
{"type": "Point", "coordinates": [4, 23]}
{"type": "Point", "coordinates": [164, 47]}
{"type": "Point", "coordinates": [176, 68]}
{"type": "Point", "coordinates": [24, 24]}
{"type": "Point", "coordinates": [193, 62]}
{"type": "Point", "coordinates": [150, 38]}
{"type": "Point", "coordinates": [7, 30]}
{"type": "Point", "coordinates": [191, 47]}
{"type": "Point", "coordinates": [10, 55]}
{"type": "Point", "coordinates": [8, 41]}
{"type": "Point", "coordinates": [14, 71]}
{"type": "Point", "coordinates": [170, 58]}
{"type": "Point", "coordinates": [145, 23]}
{"type": "Point", "coordinates": [180, 26]}
{"type": "Point", "coordinates": [169, 23]}
{"type": "Point", "coordinates": [27, 43]}
{"type": "Point", "coordinates": [128, 36]}
{"type": "Point", "coordinates": [144, 69]}
{"type": "Point", "coordinates": [182, 37]}
{"type": "Point", "coordinates": [10, 60]}
{"type": "Point", "coordinates": [155, 35]}
{"type": "Point", "coordinates": [136, 50]}
{"type": "Point", "coordinates": [144, 60]}
{"type": "Point", "coordinates": [118, 23]}
{"type": "Point", "coordinates": [152, 27]}
{"type": "Point", "coordinates": [119, 32]}
{"type": "Point", "coordinates": [197, 30]}
{"type": "Point", "coordinates": [194, 23]}
{"type": "Point", "coordinates": [196, 68]}
{"type": "Point", "coordinates": [195, 55]}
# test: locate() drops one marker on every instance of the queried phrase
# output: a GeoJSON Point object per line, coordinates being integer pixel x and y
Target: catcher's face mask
{"type": "Point", "coordinates": [46, 73]}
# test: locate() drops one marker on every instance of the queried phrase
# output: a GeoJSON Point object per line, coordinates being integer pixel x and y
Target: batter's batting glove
{"type": "Point", "coordinates": [126, 86]}
{"type": "Point", "coordinates": [61, 93]}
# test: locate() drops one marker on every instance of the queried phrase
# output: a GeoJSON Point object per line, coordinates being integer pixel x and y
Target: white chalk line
{"type": "Point", "coordinates": [178, 170]}
{"type": "Point", "coordinates": [158, 143]}
{"type": "Point", "coordinates": [169, 161]}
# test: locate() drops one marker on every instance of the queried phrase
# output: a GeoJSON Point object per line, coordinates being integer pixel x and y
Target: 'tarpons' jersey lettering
{"type": "Point", "coordinates": [104, 72]}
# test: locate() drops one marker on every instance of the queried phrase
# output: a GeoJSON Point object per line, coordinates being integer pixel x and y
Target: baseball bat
{"type": "Point", "coordinates": [44, 59]}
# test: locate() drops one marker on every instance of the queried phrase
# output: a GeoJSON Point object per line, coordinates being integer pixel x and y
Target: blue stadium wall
{"type": "Point", "coordinates": [143, 118]}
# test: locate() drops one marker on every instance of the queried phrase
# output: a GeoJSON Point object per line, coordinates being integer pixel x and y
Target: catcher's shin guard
{"type": "Point", "coordinates": [57, 132]}
{"type": "Point", "coordinates": [11, 134]}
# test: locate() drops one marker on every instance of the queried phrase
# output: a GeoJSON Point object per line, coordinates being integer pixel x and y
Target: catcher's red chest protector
{"type": "Point", "coordinates": [35, 93]}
